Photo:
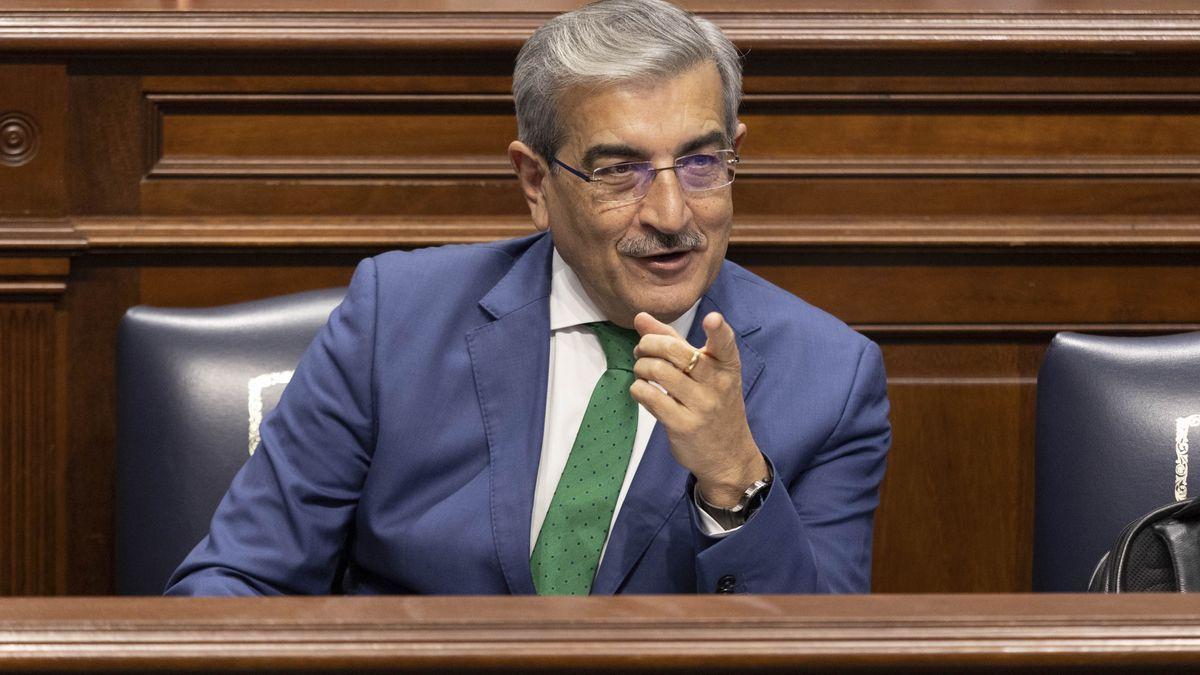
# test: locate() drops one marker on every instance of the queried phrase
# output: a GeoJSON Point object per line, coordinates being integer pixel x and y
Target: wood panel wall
{"type": "Point", "coordinates": [959, 183]}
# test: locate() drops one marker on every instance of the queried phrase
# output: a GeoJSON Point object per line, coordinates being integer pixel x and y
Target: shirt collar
{"type": "Point", "coordinates": [571, 306]}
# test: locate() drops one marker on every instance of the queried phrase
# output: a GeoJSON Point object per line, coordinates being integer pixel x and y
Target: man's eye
{"type": "Point", "coordinates": [618, 170]}
{"type": "Point", "coordinates": [700, 161]}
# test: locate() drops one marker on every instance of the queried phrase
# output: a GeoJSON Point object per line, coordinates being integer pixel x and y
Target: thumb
{"type": "Point", "coordinates": [645, 324]}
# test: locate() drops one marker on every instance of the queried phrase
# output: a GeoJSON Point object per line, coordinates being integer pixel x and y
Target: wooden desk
{"type": "Point", "coordinates": [745, 633]}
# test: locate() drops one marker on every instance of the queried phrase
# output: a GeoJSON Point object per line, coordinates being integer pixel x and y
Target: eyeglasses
{"type": "Point", "coordinates": [630, 181]}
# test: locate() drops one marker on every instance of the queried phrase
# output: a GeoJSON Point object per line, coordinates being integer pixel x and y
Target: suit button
{"type": "Point", "coordinates": [726, 583]}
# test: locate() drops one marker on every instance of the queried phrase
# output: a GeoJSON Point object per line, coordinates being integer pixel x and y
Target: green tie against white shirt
{"type": "Point", "coordinates": [568, 546]}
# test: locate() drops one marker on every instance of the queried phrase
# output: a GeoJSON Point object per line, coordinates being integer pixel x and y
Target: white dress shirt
{"type": "Point", "coordinates": [576, 363]}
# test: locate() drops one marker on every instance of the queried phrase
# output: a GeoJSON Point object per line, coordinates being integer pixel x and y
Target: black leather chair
{"type": "Point", "coordinates": [192, 385]}
{"type": "Point", "coordinates": [1113, 422]}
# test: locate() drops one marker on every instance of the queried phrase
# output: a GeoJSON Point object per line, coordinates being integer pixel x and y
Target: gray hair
{"type": "Point", "coordinates": [613, 42]}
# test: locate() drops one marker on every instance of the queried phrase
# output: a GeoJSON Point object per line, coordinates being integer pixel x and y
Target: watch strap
{"type": "Point", "coordinates": [738, 514]}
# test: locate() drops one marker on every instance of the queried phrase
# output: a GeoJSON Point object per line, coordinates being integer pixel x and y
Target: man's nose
{"type": "Point", "coordinates": [665, 206]}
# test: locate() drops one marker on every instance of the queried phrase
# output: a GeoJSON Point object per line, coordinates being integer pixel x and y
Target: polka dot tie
{"type": "Point", "coordinates": [568, 547]}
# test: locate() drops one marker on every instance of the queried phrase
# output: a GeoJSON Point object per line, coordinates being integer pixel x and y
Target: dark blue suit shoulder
{"type": "Point", "coordinates": [443, 270]}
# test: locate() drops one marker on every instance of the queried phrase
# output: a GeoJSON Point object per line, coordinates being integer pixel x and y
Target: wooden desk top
{"type": "Point", "coordinates": [648, 632]}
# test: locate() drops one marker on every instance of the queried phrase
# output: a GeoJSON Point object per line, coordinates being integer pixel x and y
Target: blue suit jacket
{"type": "Point", "coordinates": [402, 456]}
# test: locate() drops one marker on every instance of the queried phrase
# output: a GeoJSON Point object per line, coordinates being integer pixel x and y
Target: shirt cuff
{"type": "Point", "coordinates": [708, 524]}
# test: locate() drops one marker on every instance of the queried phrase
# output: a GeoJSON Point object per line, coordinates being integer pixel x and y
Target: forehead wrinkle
{"type": "Point", "coordinates": [634, 120]}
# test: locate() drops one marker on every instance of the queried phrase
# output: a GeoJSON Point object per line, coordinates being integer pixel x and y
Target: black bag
{"type": "Point", "coordinates": [1157, 553]}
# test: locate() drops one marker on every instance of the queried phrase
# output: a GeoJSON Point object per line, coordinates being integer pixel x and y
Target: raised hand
{"type": "Point", "coordinates": [702, 407]}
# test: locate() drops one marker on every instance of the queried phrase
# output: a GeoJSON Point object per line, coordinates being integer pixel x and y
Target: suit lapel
{"type": "Point", "coordinates": [510, 360]}
{"type": "Point", "coordinates": [659, 486]}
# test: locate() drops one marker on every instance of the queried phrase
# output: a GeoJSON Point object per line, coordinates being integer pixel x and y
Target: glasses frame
{"type": "Point", "coordinates": [654, 171]}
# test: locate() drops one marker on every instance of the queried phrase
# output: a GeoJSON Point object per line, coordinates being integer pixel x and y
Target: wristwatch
{"type": "Point", "coordinates": [739, 513]}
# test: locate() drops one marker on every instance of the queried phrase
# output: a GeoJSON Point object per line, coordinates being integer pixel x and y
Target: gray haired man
{"type": "Point", "coordinates": [606, 406]}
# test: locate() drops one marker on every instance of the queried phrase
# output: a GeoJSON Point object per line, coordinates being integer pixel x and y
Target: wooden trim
{"type": "Point", "coordinates": [106, 233]}
{"type": "Point", "coordinates": [1129, 30]}
{"type": "Point", "coordinates": [30, 434]}
{"type": "Point", "coordinates": [23, 235]}
{"type": "Point", "coordinates": [947, 167]}
{"type": "Point", "coordinates": [1021, 330]}
{"type": "Point", "coordinates": [750, 633]}
{"type": "Point", "coordinates": [491, 167]}
{"type": "Point", "coordinates": [468, 168]}
{"type": "Point", "coordinates": [32, 287]}
{"type": "Point", "coordinates": [33, 276]}
{"type": "Point", "coordinates": [122, 233]}
{"type": "Point", "coordinates": [325, 168]}
{"type": "Point", "coordinates": [110, 233]}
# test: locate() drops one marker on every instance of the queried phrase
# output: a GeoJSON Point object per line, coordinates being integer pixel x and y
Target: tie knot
{"type": "Point", "coordinates": [617, 343]}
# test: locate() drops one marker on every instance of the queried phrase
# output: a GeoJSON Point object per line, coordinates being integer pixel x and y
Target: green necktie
{"type": "Point", "coordinates": [568, 547]}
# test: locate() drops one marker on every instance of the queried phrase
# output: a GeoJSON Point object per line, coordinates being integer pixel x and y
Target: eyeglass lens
{"type": "Point", "coordinates": [632, 180]}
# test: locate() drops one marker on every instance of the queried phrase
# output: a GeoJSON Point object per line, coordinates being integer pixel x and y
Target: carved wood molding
{"type": "Point", "coordinates": [471, 167]}
{"type": "Point", "coordinates": [998, 233]}
{"type": "Point", "coordinates": [1151, 27]}
{"type": "Point", "coordinates": [32, 438]}
{"type": "Point", "coordinates": [18, 138]}
{"type": "Point", "coordinates": [323, 167]}
{"type": "Point", "coordinates": [31, 527]}
{"type": "Point", "coordinates": [1029, 163]}
{"type": "Point", "coordinates": [33, 276]}
{"type": "Point", "coordinates": [100, 234]}
{"type": "Point", "coordinates": [746, 633]}
{"type": "Point", "coordinates": [53, 235]}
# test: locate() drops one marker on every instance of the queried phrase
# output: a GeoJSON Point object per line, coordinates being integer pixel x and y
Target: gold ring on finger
{"type": "Point", "coordinates": [695, 359]}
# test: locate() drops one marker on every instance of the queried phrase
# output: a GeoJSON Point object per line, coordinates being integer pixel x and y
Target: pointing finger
{"type": "Point", "coordinates": [721, 344]}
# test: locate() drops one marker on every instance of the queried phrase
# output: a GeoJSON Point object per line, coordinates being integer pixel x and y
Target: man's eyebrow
{"type": "Point", "coordinates": [711, 138]}
{"type": "Point", "coordinates": [622, 151]}
{"type": "Point", "coordinates": [609, 150]}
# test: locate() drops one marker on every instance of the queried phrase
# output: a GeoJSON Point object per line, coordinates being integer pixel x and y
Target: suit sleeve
{"type": "Point", "coordinates": [812, 534]}
{"type": "Point", "coordinates": [282, 527]}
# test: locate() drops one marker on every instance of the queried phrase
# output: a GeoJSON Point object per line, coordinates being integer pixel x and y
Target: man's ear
{"type": "Point", "coordinates": [532, 172]}
{"type": "Point", "coordinates": [738, 137]}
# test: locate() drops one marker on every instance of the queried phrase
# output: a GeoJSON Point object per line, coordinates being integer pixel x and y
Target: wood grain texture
{"type": "Point", "coordinates": [959, 470]}
{"type": "Point", "coordinates": [94, 304]}
{"type": "Point", "coordinates": [112, 233]}
{"type": "Point", "coordinates": [443, 135]}
{"type": "Point", "coordinates": [108, 156]}
{"type": "Point", "coordinates": [990, 27]}
{"type": "Point", "coordinates": [980, 289]}
{"type": "Point", "coordinates": [31, 524]}
{"type": "Point", "coordinates": [33, 140]}
{"type": "Point", "coordinates": [1128, 633]}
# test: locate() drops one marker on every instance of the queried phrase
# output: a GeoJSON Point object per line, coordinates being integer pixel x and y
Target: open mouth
{"type": "Point", "coordinates": [666, 264]}
{"type": "Point", "coordinates": [666, 258]}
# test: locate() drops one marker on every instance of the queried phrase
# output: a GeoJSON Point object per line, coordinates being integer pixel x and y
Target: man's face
{"type": "Point", "coordinates": [661, 253]}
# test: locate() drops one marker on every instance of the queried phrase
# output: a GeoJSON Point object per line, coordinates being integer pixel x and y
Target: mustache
{"type": "Point", "coordinates": [657, 243]}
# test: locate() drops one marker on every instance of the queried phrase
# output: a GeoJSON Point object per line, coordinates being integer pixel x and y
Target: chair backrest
{"type": "Point", "coordinates": [1116, 417]}
{"type": "Point", "coordinates": [192, 386]}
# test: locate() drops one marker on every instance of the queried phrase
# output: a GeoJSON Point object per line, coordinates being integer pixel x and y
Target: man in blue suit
{"type": "Point", "coordinates": [607, 406]}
